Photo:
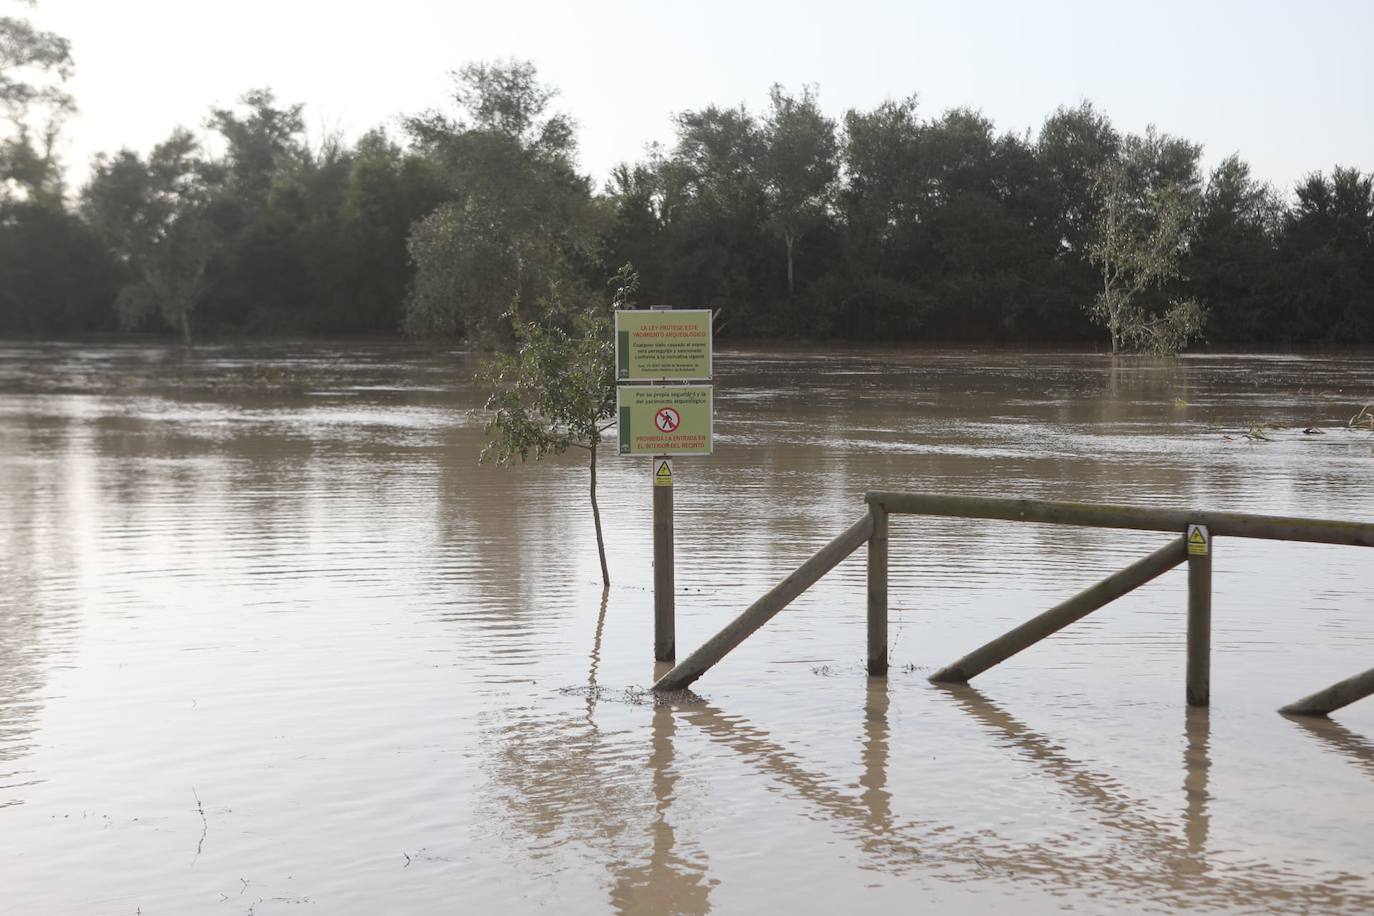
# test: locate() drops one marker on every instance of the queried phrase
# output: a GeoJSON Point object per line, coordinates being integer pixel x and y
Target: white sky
{"type": "Point", "coordinates": [1290, 86]}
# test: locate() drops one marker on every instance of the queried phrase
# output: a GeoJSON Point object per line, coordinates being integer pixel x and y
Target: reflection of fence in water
{"type": "Point", "coordinates": [1168, 864]}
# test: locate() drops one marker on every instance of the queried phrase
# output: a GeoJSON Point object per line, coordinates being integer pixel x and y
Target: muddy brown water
{"type": "Point", "coordinates": [271, 641]}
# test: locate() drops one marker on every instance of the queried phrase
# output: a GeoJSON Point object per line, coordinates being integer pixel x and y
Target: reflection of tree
{"type": "Point", "coordinates": [23, 666]}
{"type": "Point", "coordinates": [37, 625]}
{"type": "Point", "coordinates": [595, 663]}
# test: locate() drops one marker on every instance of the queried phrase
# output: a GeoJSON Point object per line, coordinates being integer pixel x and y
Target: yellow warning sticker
{"type": "Point", "coordinates": [663, 472]}
{"type": "Point", "coordinates": [1199, 541]}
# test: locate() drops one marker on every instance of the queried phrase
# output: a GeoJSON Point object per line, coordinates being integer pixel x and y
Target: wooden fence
{"type": "Point", "coordinates": [1196, 530]}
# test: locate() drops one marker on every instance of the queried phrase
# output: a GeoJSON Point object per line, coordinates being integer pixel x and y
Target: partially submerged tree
{"type": "Point", "coordinates": [1147, 197]}
{"type": "Point", "coordinates": [556, 389]}
{"type": "Point", "coordinates": [152, 213]}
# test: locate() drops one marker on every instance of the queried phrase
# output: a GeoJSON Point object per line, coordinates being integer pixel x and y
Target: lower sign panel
{"type": "Point", "coordinates": [664, 419]}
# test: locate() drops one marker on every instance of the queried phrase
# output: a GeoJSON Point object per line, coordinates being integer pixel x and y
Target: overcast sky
{"type": "Point", "coordinates": [1290, 86]}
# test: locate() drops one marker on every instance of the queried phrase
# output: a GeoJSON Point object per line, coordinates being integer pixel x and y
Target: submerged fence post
{"type": "Point", "coordinates": [665, 606]}
{"type": "Point", "coordinates": [1199, 615]}
{"type": "Point", "coordinates": [877, 592]}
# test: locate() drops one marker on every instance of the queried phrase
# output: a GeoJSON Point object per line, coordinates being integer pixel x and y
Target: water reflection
{"type": "Point", "coordinates": [669, 880]}
{"type": "Point", "coordinates": [564, 778]}
{"type": "Point", "coordinates": [1147, 856]}
{"type": "Point", "coordinates": [1358, 749]}
{"type": "Point", "coordinates": [1197, 767]}
{"type": "Point", "coordinates": [876, 797]}
{"type": "Point", "coordinates": [593, 688]}
{"type": "Point", "coordinates": [1150, 839]}
{"type": "Point", "coordinates": [247, 524]}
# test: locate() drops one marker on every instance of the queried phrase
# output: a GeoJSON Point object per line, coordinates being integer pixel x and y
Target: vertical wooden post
{"type": "Point", "coordinates": [1199, 615]}
{"type": "Point", "coordinates": [877, 592]}
{"type": "Point", "coordinates": [665, 638]}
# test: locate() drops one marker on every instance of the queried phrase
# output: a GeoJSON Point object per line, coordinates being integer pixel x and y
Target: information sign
{"type": "Point", "coordinates": [662, 344]}
{"type": "Point", "coordinates": [664, 419]}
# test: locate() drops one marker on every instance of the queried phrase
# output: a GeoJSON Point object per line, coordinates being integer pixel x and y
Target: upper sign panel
{"type": "Point", "coordinates": [663, 344]}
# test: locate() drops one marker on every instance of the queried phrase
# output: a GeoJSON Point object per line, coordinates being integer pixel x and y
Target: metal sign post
{"type": "Point", "coordinates": [657, 352]}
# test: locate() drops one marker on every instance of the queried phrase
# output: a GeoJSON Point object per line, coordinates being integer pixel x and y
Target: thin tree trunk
{"type": "Point", "coordinates": [596, 518]}
{"type": "Point", "coordinates": [789, 239]}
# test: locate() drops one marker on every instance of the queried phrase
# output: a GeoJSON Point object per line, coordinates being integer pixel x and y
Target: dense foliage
{"type": "Point", "coordinates": [885, 225]}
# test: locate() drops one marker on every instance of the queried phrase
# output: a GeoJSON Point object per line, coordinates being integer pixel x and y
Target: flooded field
{"type": "Point", "coordinates": [271, 641]}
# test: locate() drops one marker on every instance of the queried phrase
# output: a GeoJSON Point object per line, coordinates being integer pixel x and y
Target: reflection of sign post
{"type": "Point", "coordinates": [664, 419]}
{"type": "Point", "coordinates": [662, 344]}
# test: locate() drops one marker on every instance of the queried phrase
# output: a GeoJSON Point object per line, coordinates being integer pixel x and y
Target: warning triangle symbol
{"type": "Point", "coordinates": [1197, 538]}
{"type": "Point", "coordinates": [663, 470]}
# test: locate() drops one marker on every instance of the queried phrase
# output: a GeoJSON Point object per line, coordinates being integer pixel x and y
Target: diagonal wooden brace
{"type": "Point", "coordinates": [1333, 697]}
{"type": "Point", "coordinates": [1061, 615]}
{"type": "Point", "coordinates": [767, 607]}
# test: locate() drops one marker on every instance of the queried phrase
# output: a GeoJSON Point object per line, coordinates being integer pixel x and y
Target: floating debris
{"type": "Point", "coordinates": [1362, 419]}
{"type": "Point", "coordinates": [635, 696]}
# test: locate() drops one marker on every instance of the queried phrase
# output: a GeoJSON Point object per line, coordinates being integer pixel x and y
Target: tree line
{"type": "Point", "coordinates": [886, 225]}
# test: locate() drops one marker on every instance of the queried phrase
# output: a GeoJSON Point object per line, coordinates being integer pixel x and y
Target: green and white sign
{"type": "Point", "coordinates": [661, 344]}
{"type": "Point", "coordinates": [664, 419]}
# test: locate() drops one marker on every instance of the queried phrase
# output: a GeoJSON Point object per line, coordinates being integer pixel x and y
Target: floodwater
{"type": "Point", "coordinates": [271, 641]}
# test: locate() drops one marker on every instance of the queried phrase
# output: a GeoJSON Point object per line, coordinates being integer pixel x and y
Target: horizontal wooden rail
{"type": "Point", "coordinates": [1333, 697]}
{"type": "Point", "coordinates": [767, 607]}
{"type": "Point", "coordinates": [1222, 524]}
{"type": "Point", "coordinates": [1060, 616]}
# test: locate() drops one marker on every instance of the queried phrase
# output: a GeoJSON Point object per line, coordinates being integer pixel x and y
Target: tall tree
{"type": "Point", "coordinates": [267, 186]}
{"type": "Point", "coordinates": [262, 140]}
{"type": "Point", "coordinates": [1231, 255]}
{"type": "Point", "coordinates": [518, 218]}
{"type": "Point", "coordinates": [715, 212]}
{"type": "Point", "coordinates": [34, 65]}
{"type": "Point", "coordinates": [1074, 145]}
{"type": "Point", "coordinates": [1327, 255]}
{"type": "Point", "coordinates": [876, 291]}
{"type": "Point", "coordinates": [153, 214]}
{"type": "Point", "coordinates": [56, 274]}
{"type": "Point", "coordinates": [800, 165]}
{"type": "Point", "coordinates": [367, 273]}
